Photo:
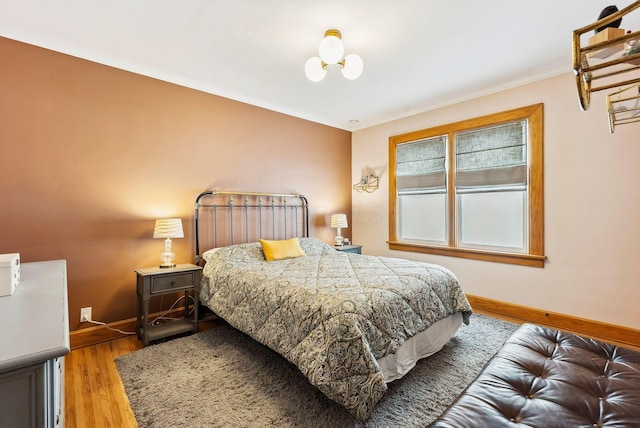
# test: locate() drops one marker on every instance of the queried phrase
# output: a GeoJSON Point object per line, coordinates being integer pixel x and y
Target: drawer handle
{"type": "Point", "coordinates": [173, 282]}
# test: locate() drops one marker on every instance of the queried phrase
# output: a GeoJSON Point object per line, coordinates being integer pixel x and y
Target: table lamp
{"type": "Point", "coordinates": [339, 221]}
{"type": "Point", "coordinates": [168, 228]}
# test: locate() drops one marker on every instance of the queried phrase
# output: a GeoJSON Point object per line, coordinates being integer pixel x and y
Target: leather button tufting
{"type": "Point", "coordinates": [539, 380]}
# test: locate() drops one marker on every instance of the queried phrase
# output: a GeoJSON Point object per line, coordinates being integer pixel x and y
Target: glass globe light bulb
{"type": "Point", "coordinates": [314, 70]}
{"type": "Point", "coordinates": [352, 67]}
{"type": "Point", "coordinates": [331, 49]}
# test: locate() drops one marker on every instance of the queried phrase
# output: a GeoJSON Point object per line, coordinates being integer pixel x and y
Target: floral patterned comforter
{"type": "Point", "coordinates": [331, 313]}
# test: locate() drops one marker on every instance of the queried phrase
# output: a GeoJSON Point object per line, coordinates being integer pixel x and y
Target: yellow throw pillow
{"type": "Point", "coordinates": [284, 249]}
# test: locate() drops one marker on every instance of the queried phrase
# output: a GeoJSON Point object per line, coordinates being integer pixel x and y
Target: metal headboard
{"type": "Point", "coordinates": [227, 218]}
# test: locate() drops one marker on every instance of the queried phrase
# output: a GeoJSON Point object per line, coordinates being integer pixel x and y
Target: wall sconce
{"type": "Point", "coordinates": [368, 183]}
{"type": "Point", "coordinates": [339, 221]}
{"type": "Point", "coordinates": [168, 228]}
{"type": "Point", "coordinates": [331, 51]}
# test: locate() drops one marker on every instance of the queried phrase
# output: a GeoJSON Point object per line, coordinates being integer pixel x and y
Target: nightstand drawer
{"type": "Point", "coordinates": [171, 282]}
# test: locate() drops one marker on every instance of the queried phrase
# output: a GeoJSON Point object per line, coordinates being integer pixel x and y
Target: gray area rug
{"type": "Point", "coordinates": [221, 378]}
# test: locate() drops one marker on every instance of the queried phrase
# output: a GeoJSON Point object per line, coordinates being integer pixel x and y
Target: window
{"type": "Point", "coordinates": [471, 189]}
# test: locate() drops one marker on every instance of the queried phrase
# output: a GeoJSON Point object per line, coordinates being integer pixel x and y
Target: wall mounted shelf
{"type": "Point", "coordinates": [609, 60]}
{"type": "Point", "coordinates": [368, 183]}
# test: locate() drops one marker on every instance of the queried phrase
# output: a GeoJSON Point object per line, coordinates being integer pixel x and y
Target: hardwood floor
{"type": "Point", "coordinates": [94, 394]}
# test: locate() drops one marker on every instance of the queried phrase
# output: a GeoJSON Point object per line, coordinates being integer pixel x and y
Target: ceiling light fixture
{"type": "Point", "coordinates": [331, 51]}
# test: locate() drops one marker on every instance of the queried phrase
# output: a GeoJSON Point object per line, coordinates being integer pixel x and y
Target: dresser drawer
{"type": "Point", "coordinates": [176, 282]}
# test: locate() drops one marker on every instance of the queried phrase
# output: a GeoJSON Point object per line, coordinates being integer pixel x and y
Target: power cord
{"type": "Point", "coordinates": [152, 322]}
{"type": "Point", "coordinates": [163, 315]}
{"type": "Point", "coordinates": [110, 328]}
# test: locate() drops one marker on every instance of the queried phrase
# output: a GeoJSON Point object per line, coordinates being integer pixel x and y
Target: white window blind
{"type": "Point", "coordinates": [493, 158]}
{"type": "Point", "coordinates": [420, 166]}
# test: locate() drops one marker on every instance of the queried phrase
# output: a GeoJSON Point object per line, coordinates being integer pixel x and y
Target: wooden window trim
{"type": "Point", "coordinates": [535, 257]}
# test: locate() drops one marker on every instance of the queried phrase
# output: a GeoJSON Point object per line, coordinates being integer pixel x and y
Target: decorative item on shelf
{"type": "Point", "coordinates": [623, 106]}
{"type": "Point", "coordinates": [632, 49]}
{"type": "Point", "coordinates": [608, 32]}
{"type": "Point", "coordinates": [331, 51]}
{"type": "Point", "coordinates": [368, 183]}
{"type": "Point", "coordinates": [339, 221]}
{"type": "Point", "coordinates": [609, 10]}
{"type": "Point", "coordinates": [168, 228]}
{"type": "Point", "coordinates": [606, 36]}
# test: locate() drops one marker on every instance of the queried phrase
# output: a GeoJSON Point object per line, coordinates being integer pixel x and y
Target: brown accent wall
{"type": "Point", "coordinates": [90, 155]}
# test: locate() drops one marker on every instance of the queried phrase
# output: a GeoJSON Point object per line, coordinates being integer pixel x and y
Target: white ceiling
{"type": "Point", "coordinates": [418, 54]}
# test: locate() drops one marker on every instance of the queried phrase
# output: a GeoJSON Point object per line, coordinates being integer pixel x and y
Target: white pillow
{"type": "Point", "coordinates": [207, 254]}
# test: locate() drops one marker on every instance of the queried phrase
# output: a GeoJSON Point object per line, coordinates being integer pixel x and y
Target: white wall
{"type": "Point", "coordinates": [592, 206]}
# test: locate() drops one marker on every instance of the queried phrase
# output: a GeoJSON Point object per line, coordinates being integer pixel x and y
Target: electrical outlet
{"type": "Point", "coordinates": [85, 314]}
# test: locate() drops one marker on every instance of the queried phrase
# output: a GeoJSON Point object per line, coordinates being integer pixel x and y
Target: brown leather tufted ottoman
{"type": "Point", "coordinates": [546, 378]}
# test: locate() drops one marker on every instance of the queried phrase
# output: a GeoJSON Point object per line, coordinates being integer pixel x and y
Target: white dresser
{"type": "Point", "coordinates": [34, 337]}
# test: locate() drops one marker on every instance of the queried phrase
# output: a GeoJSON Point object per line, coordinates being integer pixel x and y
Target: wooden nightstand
{"type": "Point", "coordinates": [155, 281]}
{"type": "Point", "coordinates": [356, 249]}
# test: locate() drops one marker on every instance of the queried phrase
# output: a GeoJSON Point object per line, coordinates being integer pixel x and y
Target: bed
{"type": "Point", "coordinates": [351, 323]}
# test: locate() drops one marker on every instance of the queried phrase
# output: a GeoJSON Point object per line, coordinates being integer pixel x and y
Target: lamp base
{"type": "Point", "coordinates": [168, 256]}
{"type": "Point", "coordinates": [167, 265]}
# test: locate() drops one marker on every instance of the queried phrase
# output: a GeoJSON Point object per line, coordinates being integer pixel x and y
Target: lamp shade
{"type": "Point", "coordinates": [339, 220]}
{"type": "Point", "coordinates": [168, 228]}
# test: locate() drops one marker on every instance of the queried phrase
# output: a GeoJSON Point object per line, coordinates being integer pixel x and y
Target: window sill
{"type": "Point", "coordinates": [489, 256]}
